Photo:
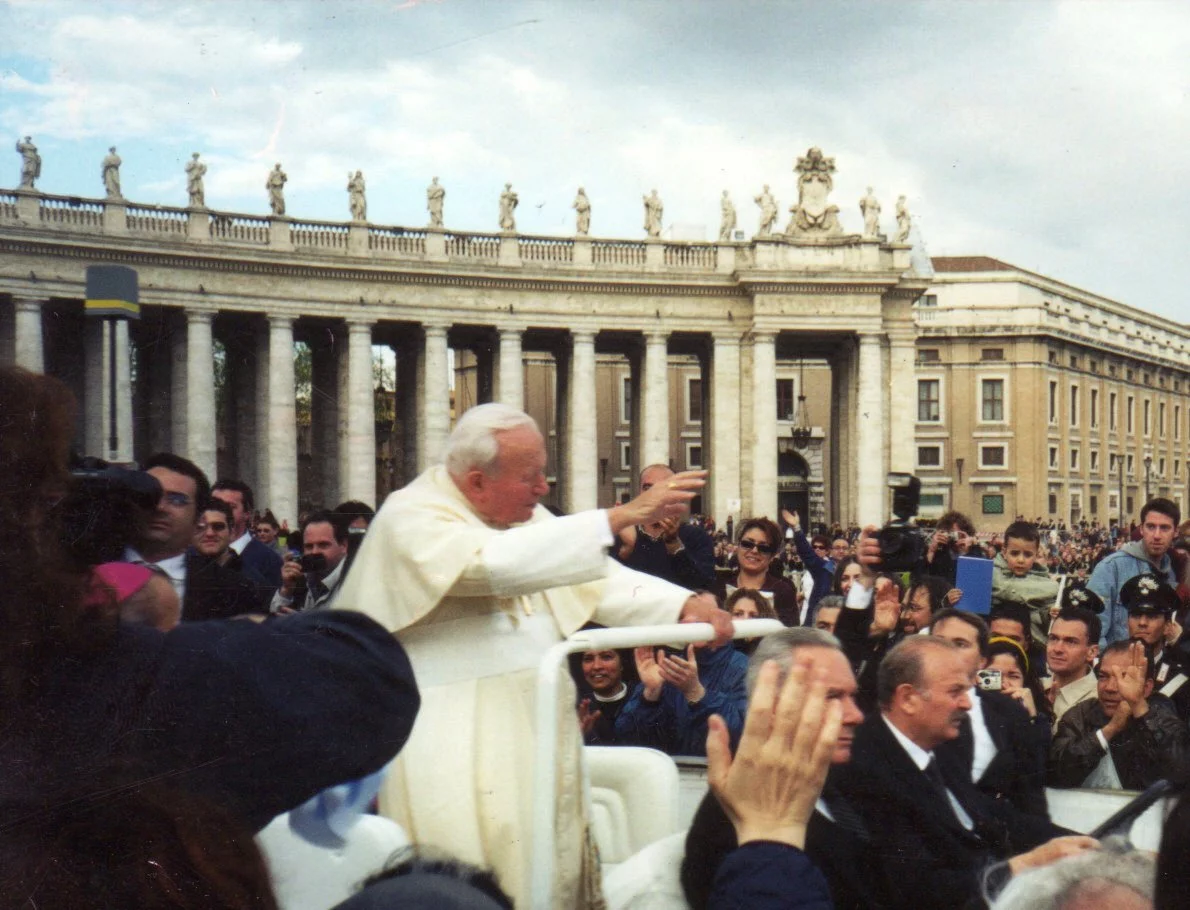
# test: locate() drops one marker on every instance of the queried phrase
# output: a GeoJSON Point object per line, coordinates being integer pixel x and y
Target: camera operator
{"type": "Point", "coordinates": [322, 566]}
{"type": "Point", "coordinates": [953, 537]}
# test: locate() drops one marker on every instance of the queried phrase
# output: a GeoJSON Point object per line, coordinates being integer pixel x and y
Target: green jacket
{"type": "Point", "coordinates": [1037, 591]}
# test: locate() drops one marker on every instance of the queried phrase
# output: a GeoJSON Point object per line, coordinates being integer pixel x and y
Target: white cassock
{"type": "Point", "coordinates": [476, 607]}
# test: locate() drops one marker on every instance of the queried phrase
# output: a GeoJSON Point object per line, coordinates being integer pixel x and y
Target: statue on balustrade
{"type": "Point", "coordinates": [356, 197]}
{"type": "Point", "coordinates": [508, 204]}
{"type": "Point", "coordinates": [653, 212]}
{"type": "Point", "coordinates": [30, 162]}
{"type": "Point", "coordinates": [869, 207]}
{"type": "Point", "coordinates": [435, 196]}
{"type": "Point", "coordinates": [276, 187]}
{"type": "Point", "coordinates": [726, 217]}
{"type": "Point", "coordinates": [582, 206]}
{"type": "Point", "coordinates": [111, 174]}
{"type": "Point", "coordinates": [195, 170]}
{"type": "Point", "coordinates": [768, 212]}
{"type": "Point", "coordinates": [814, 215]}
{"type": "Point", "coordinates": [904, 222]}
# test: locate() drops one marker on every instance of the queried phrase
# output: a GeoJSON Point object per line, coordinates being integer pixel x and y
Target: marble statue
{"type": "Point", "coordinates": [356, 199]}
{"type": "Point", "coordinates": [726, 217]}
{"type": "Point", "coordinates": [276, 187]}
{"type": "Point", "coordinates": [869, 207]}
{"type": "Point", "coordinates": [768, 212]}
{"type": "Point", "coordinates": [195, 170]}
{"type": "Point", "coordinates": [582, 208]}
{"type": "Point", "coordinates": [904, 222]}
{"type": "Point", "coordinates": [30, 162]}
{"type": "Point", "coordinates": [814, 215]}
{"type": "Point", "coordinates": [111, 174]}
{"type": "Point", "coordinates": [508, 204]}
{"type": "Point", "coordinates": [435, 196]}
{"type": "Point", "coordinates": [653, 212]}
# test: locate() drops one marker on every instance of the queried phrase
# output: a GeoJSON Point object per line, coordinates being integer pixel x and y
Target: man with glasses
{"type": "Point", "coordinates": [206, 589]}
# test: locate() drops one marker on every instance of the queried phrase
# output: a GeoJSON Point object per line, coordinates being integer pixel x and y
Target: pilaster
{"type": "Point", "coordinates": [511, 376]}
{"type": "Point", "coordinates": [764, 424]}
{"type": "Point", "coordinates": [655, 413]}
{"type": "Point", "coordinates": [434, 400]}
{"type": "Point", "coordinates": [724, 481]}
{"type": "Point", "coordinates": [28, 342]}
{"type": "Point", "coordinates": [357, 418]}
{"type": "Point", "coordinates": [281, 455]}
{"type": "Point", "coordinates": [200, 391]}
{"type": "Point", "coordinates": [870, 432]}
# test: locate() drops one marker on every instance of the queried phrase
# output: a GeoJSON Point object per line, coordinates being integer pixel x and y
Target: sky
{"type": "Point", "coordinates": [1052, 135]}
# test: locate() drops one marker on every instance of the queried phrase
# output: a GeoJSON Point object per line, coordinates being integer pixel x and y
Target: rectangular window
{"type": "Point", "coordinates": [1177, 469]}
{"type": "Point", "coordinates": [1111, 411]}
{"type": "Point", "coordinates": [991, 354]}
{"type": "Point", "coordinates": [1053, 357]}
{"type": "Point", "coordinates": [992, 396]}
{"type": "Point", "coordinates": [625, 399]}
{"type": "Point", "coordinates": [1161, 418]}
{"type": "Point", "coordinates": [1130, 415]}
{"type": "Point", "coordinates": [625, 456]}
{"type": "Point", "coordinates": [992, 456]}
{"type": "Point", "coordinates": [929, 456]}
{"type": "Point", "coordinates": [929, 300]}
{"type": "Point", "coordinates": [785, 400]}
{"type": "Point", "coordinates": [1073, 362]}
{"type": "Point", "coordinates": [993, 503]}
{"type": "Point", "coordinates": [929, 402]}
{"type": "Point", "coordinates": [932, 500]}
{"type": "Point", "coordinates": [1177, 421]}
{"type": "Point", "coordinates": [694, 400]}
{"type": "Point", "coordinates": [1053, 503]}
{"type": "Point", "coordinates": [1130, 504]}
{"type": "Point", "coordinates": [928, 355]}
{"type": "Point", "coordinates": [1053, 401]}
{"type": "Point", "coordinates": [1074, 459]}
{"type": "Point", "coordinates": [1094, 504]}
{"type": "Point", "coordinates": [1074, 406]}
{"type": "Point", "coordinates": [1161, 466]}
{"type": "Point", "coordinates": [1053, 458]}
{"type": "Point", "coordinates": [1094, 462]}
{"type": "Point", "coordinates": [693, 457]}
{"type": "Point", "coordinates": [1148, 412]}
{"type": "Point", "coordinates": [1094, 416]}
{"type": "Point", "coordinates": [1129, 467]}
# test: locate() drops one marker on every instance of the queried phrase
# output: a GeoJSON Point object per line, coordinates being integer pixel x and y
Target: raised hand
{"type": "Point", "coordinates": [682, 674]}
{"type": "Point", "coordinates": [886, 608]}
{"type": "Point", "coordinates": [791, 519]}
{"type": "Point", "coordinates": [1131, 679]}
{"type": "Point", "coordinates": [649, 672]}
{"type": "Point", "coordinates": [662, 500]}
{"type": "Point", "coordinates": [768, 790]}
{"type": "Point", "coordinates": [704, 607]}
{"type": "Point", "coordinates": [587, 717]}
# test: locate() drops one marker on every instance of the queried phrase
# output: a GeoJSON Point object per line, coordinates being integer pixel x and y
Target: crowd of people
{"type": "Point", "coordinates": [172, 687]}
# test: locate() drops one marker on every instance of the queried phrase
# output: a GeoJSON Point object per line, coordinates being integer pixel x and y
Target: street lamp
{"type": "Point", "coordinates": [1148, 471]}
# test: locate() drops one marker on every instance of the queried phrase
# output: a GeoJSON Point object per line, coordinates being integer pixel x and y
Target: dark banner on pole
{"type": "Point", "coordinates": [112, 291]}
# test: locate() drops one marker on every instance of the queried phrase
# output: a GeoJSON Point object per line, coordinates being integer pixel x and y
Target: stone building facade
{"type": "Point", "coordinates": [734, 309]}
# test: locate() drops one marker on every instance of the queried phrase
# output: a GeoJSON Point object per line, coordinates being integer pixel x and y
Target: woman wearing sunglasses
{"type": "Point", "coordinates": [757, 544]}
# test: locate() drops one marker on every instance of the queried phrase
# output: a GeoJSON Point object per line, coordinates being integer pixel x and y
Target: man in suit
{"type": "Point", "coordinates": [1002, 749]}
{"type": "Point", "coordinates": [206, 589]}
{"type": "Point", "coordinates": [262, 564]}
{"type": "Point", "coordinates": [933, 833]}
{"type": "Point", "coordinates": [836, 840]}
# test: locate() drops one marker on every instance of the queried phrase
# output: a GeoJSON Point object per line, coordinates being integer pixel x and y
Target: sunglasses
{"type": "Point", "coordinates": [819, 546]}
{"type": "Point", "coordinates": [753, 545]}
{"type": "Point", "coordinates": [217, 526]}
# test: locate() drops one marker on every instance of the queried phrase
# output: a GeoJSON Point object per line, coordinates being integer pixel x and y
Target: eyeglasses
{"type": "Point", "coordinates": [217, 526]}
{"type": "Point", "coordinates": [819, 546]}
{"type": "Point", "coordinates": [180, 500]}
{"type": "Point", "coordinates": [756, 545]}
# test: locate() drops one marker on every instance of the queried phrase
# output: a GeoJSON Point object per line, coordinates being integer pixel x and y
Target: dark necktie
{"type": "Point", "coordinates": [935, 775]}
{"type": "Point", "coordinates": [844, 815]}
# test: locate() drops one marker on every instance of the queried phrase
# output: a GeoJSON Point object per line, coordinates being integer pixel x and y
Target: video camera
{"type": "Point", "coordinates": [104, 509]}
{"type": "Point", "coordinates": [901, 543]}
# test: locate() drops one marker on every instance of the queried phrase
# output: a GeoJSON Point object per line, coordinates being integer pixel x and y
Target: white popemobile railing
{"type": "Point", "coordinates": [545, 769]}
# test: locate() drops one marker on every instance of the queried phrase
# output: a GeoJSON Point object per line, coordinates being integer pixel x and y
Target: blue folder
{"type": "Point", "coordinates": [974, 578]}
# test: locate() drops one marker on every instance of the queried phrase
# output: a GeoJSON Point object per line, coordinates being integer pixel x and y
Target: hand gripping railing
{"type": "Point", "coordinates": [545, 768]}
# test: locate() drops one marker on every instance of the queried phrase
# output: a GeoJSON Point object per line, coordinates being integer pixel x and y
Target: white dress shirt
{"type": "Point", "coordinates": [240, 542]}
{"type": "Point", "coordinates": [985, 748]}
{"type": "Point", "coordinates": [173, 566]}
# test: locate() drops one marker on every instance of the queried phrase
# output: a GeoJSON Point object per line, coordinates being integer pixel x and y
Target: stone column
{"type": "Point", "coordinates": [582, 475]}
{"type": "Point", "coordinates": [327, 358]}
{"type": "Point", "coordinates": [902, 400]}
{"type": "Point", "coordinates": [870, 432]}
{"type": "Point", "coordinates": [97, 401]}
{"type": "Point", "coordinates": [655, 400]}
{"type": "Point", "coordinates": [281, 481]}
{"type": "Point", "coordinates": [724, 457]}
{"type": "Point", "coordinates": [764, 424]}
{"type": "Point", "coordinates": [434, 403]}
{"type": "Point", "coordinates": [357, 417]}
{"type": "Point", "coordinates": [28, 345]}
{"type": "Point", "coordinates": [511, 379]}
{"type": "Point", "coordinates": [200, 392]}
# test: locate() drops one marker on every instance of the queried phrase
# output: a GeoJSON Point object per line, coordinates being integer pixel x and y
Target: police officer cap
{"type": "Point", "coordinates": [1148, 593]}
{"type": "Point", "coordinates": [1077, 594]}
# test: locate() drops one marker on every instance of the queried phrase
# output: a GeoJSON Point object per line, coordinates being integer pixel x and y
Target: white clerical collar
{"type": "Point", "coordinates": [620, 692]}
{"type": "Point", "coordinates": [916, 753]}
{"type": "Point", "coordinates": [240, 542]}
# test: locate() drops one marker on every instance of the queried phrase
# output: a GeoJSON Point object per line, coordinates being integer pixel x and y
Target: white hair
{"type": "Point", "coordinates": [1095, 873]}
{"type": "Point", "coordinates": [780, 647]}
{"type": "Point", "coordinates": [473, 444]}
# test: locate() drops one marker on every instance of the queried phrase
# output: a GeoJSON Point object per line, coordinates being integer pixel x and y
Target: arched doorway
{"type": "Point", "coordinates": [793, 481]}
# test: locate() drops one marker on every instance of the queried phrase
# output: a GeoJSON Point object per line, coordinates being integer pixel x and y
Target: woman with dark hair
{"type": "Point", "coordinates": [1017, 678]}
{"type": "Point", "coordinates": [603, 679]}
{"type": "Point", "coordinates": [748, 603]}
{"type": "Point", "coordinates": [846, 572]}
{"type": "Point", "coordinates": [758, 542]}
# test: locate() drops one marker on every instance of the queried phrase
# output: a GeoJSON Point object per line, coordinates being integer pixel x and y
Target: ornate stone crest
{"type": "Point", "coordinates": [814, 216]}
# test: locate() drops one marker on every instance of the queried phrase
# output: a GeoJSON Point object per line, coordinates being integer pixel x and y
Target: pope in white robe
{"type": "Point", "coordinates": [477, 580]}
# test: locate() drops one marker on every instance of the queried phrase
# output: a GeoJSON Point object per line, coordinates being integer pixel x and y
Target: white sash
{"type": "Point", "coordinates": [1104, 777]}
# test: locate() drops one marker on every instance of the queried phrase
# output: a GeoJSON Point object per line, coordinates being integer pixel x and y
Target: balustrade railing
{"type": "Point", "coordinates": [156, 219]}
{"type": "Point", "coordinates": [240, 228]}
{"type": "Point", "coordinates": [72, 212]}
{"type": "Point", "coordinates": [692, 255]}
{"type": "Point", "coordinates": [546, 249]}
{"type": "Point", "coordinates": [617, 252]}
{"type": "Point", "coordinates": [321, 235]}
{"type": "Point", "coordinates": [8, 206]}
{"type": "Point", "coordinates": [397, 240]}
{"type": "Point", "coordinates": [473, 246]}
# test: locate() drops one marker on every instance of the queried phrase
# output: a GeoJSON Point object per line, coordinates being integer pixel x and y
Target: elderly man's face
{"type": "Point", "coordinates": [509, 494]}
{"type": "Point", "coordinates": [841, 687]}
